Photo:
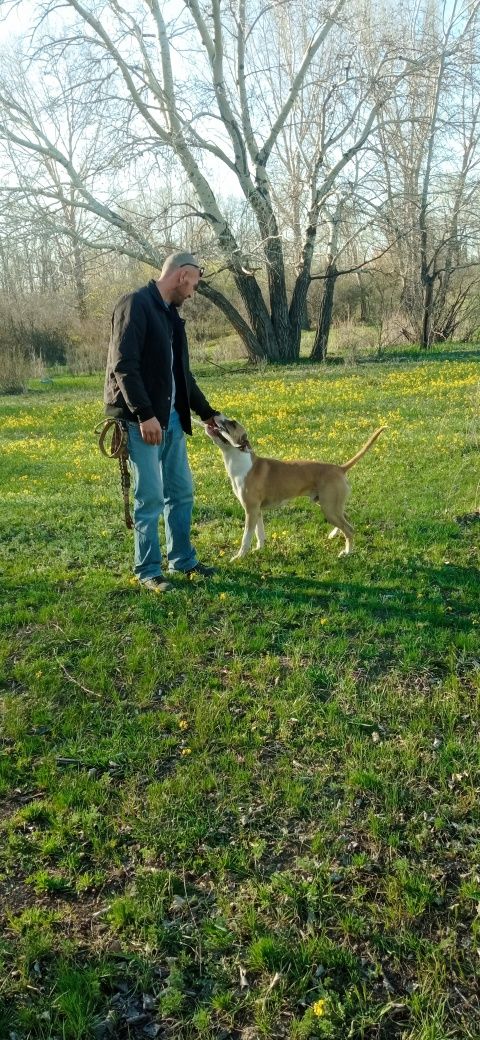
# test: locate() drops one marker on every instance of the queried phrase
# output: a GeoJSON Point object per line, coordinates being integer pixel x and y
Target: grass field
{"type": "Point", "coordinates": [248, 809]}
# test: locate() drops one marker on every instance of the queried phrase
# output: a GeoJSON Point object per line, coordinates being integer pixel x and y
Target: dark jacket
{"type": "Point", "coordinates": [138, 380]}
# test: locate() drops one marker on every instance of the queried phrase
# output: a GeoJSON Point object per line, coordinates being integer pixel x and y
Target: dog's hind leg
{"type": "Point", "coordinates": [260, 532]}
{"type": "Point", "coordinates": [333, 513]}
{"type": "Point", "coordinates": [343, 525]}
{"type": "Point", "coordinates": [332, 502]}
{"type": "Point", "coordinates": [336, 530]}
{"type": "Point", "coordinates": [251, 521]}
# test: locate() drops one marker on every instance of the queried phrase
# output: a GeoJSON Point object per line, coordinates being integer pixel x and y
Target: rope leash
{"type": "Point", "coordinates": [118, 449]}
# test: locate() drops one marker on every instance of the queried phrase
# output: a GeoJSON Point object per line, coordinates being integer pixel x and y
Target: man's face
{"type": "Point", "coordinates": [188, 279]}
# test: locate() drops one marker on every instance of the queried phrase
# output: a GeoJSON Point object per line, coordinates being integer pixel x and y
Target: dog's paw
{"type": "Point", "coordinates": [333, 532]}
{"type": "Point", "coordinates": [237, 556]}
{"type": "Point", "coordinates": [345, 552]}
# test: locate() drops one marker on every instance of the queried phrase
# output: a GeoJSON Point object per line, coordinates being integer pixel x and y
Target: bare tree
{"type": "Point", "coordinates": [353, 244]}
{"type": "Point", "coordinates": [223, 112]}
{"type": "Point", "coordinates": [322, 332]}
{"type": "Point", "coordinates": [430, 149]}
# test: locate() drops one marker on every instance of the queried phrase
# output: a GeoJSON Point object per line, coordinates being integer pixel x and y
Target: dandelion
{"type": "Point", "coordinates": [186, 751]}
{"type": "Point", "coordinates": [320, 1008]}
{"type": "Point", "coordinates": [183, 724]}
{"type": "Point", "coordinates": [223, 595]}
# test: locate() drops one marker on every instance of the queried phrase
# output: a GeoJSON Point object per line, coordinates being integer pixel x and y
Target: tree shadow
{"type": "Point", "coordinates": [437, 605]}
{"type": "Point", "coordinates": [344, 366]}
{"type": "Point", "coordinates": [421, 355]}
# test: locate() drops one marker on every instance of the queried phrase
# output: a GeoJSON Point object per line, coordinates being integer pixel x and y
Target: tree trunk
{"type": "Point", "coordinates": [305, 325]}
{"type": "Point", "coordinates": [322, 332]}
{"type": "Point", "coordinates": [277, 289]}
{"type": "Point", "coordinates": [79, 281]}
{"type": "Point", "coordinates": [263, 331]}
{"type": "Point", "coordinates": [296, 313]}
{"type": "Point", "coordinates": [426, 338]}
{"type": "Point", "coordinates": [253, 346]}
{"type": "Point", "coordinates": [363, 300]}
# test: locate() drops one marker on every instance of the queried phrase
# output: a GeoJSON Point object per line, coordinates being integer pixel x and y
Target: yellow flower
{"type": "Point", "coordinates": [223, 595]}
{"type": "Point", "coordinates": [183, 724]}
{"type": "Point", "coordinates": [319, 1008]}
{"type": "Point", "coordinates": [186, 751]}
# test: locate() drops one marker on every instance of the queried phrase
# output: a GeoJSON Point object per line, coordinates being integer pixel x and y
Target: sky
{"type": "Point", "coordinates": [12, 22]}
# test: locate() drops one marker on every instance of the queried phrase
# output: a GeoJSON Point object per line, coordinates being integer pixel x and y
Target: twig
{"type": "Point", "coordinates": [77, 762]}
{"type": "Point", "coordinates": [199, 946]}
{"type": "Point", "coordinates": [104, 910]}
{"type": "Point", "coordinates": [75, 681]}
{"type": "Point", "coordinates": [462, 997]}
{"type": "Point", "coordinates": [244, 984]}
{"type": "Point", "coordinates": [273, 982]}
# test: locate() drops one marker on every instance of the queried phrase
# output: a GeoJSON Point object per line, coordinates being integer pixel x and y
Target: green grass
{"type": "Point", "coordinates": [248, 809]}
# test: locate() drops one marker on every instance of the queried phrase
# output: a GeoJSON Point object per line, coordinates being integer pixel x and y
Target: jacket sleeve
{"type": "Point", "coordinates": [198, 401]}
{"type": "Point", "coordinates": [129, 328]}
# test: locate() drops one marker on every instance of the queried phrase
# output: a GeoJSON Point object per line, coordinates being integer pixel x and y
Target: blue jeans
{"type": "Point", "coordinates": [162, 483]}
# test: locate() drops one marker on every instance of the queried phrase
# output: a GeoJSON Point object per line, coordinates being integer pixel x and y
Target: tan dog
{"type": "Point", "coordinates": [259, 482]}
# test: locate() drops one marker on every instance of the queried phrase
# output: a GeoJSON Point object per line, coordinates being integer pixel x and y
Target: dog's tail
{"type": "Point", "coordinates": [361, 453]}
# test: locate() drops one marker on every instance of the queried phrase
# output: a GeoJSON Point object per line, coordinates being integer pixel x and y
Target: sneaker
{"type": "Point", "coordinates": [156, 584]}
{"type": "Point", "coordinates": [200, 570]}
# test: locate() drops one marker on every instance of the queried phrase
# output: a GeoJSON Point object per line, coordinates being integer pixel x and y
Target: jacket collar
{"type": "Point", "coordinates": [153, 289]}
{"type": "Point", "coordinates": [171, 309]}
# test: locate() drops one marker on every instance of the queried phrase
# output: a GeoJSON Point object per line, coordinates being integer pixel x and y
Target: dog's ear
{"type": "Point", "coordinates": [245, 443]}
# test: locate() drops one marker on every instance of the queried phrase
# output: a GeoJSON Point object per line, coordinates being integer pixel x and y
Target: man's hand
{"type": "Point", "coordinates": [211, 423]}
{"type": "Point", "coordinates": [151, 431]}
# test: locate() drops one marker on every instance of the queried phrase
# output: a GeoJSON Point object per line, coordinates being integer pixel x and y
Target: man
{"type": "Point", "coordinates": [148, 385]}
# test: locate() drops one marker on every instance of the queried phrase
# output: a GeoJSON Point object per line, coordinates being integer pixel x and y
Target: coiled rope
{"type": "Point", "coordinates": [117, 449]}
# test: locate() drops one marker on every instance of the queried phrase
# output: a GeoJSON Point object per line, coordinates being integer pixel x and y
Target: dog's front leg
{"type": "Point", "coordinates": [251, 520]}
